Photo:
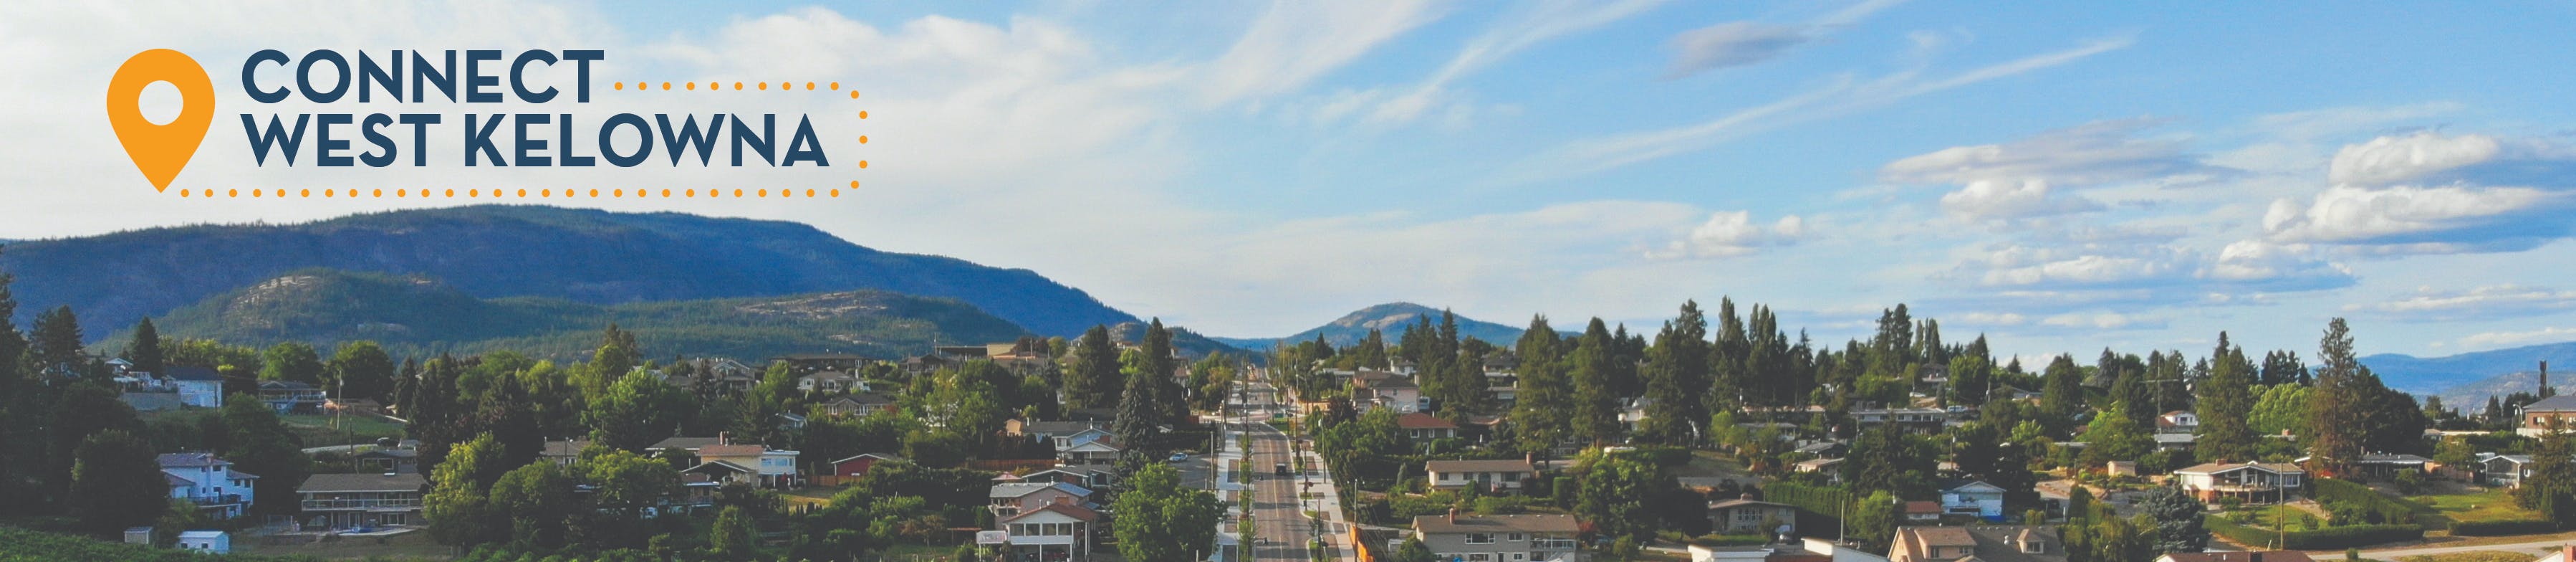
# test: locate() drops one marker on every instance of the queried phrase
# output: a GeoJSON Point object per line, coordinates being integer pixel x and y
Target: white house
{"type": "Point", "coordinates": [2177, 421]}
{"type": "Point", "coordinates": [198, 386]}
{"type": "Point", "coordinates": [2254, 482]}
{"type": "Point", "coordinates": [765, 468]}
{"type": "Point", "coordinates": [1051, 532]}
{"type": "Point", "coordinates": [1974, 498]}
{"type": "Point", "coordinates": [1089, 447]}
{"type": "Point", "coordinates": [208, 482]}
{"type": "Point", "coordinates": [211, 542]}
{"type": "Point", "coordinates": [1496, 475]}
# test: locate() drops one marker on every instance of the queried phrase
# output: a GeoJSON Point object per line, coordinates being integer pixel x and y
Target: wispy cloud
{"type": "Point", "coordinates": [2486, 340]}
{"type": "Point", "coordinates": [1295, 42]}
{"type": "Point", "coordinates": [2482, 303]}
{"type": "Point", "coordinates": [1544, 21]}
{"type": "Point", "coordinates": [1744, 43]}
{"type": "Point", "coordinates": [1842, 96]}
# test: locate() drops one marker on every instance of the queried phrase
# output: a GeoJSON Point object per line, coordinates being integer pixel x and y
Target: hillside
{"type": "Point", "coordinates": [1390, 318]}
{"type": "Point", "coordinates": [2439, 374]}
{"type": "Point", "coordinates": [1190, 343]}
{"type": "Point", "coordinates": [418, 315]}
{"type": "Point", "coordinates": [584, 256]}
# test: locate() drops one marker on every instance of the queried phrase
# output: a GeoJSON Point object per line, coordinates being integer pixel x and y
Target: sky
{"type": "Point", "coordinates": [2062, 177]}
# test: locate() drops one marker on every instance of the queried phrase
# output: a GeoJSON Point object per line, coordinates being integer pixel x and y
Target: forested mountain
{"type": "Point", "coordinates": [1390, 318]}
{"type": "Point", "coordinates": [492, 251]}
{"type": "Point", "coordinates": [2468, 370]}
{"type": "Point", "coordinates": [1190, 343]}
{"type": "Point", "coordinates": [413, 316]}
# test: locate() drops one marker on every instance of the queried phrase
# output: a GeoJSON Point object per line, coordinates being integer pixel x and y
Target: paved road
{"type": "Point", "coordinates": [2535, 548]}
{"type": "Point", "coordinates": [1280, 518]}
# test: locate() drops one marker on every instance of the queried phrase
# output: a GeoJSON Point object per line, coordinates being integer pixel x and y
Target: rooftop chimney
{"type": "Point", "coordinates": [1453, 517]}
{"type": "Point", "coordinates": [1745, 497]}
{"type": "Point", "coordinates": [724, 438]}
{"type": "Point", "coordinates": [2544, 379]}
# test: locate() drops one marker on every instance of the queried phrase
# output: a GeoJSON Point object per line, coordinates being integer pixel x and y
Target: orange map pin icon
{"type": "Point", "coordinates": [160, 150]}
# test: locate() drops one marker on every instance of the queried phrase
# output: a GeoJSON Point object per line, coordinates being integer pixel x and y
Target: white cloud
{"type": "Point", "coordinates": [1990, 319]}
{"type": "Point", "coordinates": [1295, 42]}
{"type": "Point", "coordinates": [1731, 44]}
{"type": "Point", "coordinates": [2008, 199]}
{"type": "Point", "coordinates": [2487, 340]}
{"type": "Point", "coordinates": [2492, 301]}
{"type": "Point", "coordinates": [2418, 219]}
{"type": "Point", "coordinates": [1731, 234]}
{"type": "Point", "coordinates": [2102, 321]}
{"type": "Point", "coordinates": [2019, 179]}
{"type": "Point", "coordinates": [1541, 22]}
{"type": "Point", "coordinates": [2391, 159]}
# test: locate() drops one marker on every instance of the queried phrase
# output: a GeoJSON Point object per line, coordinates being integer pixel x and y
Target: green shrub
{"type": "Point", "coordinates": [2378, 509]}
{"type": "Point", "coordinates": [2502, 527]}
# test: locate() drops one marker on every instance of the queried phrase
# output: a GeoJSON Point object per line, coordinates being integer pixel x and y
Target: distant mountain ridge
{"type": "Point", "coordinates": [493, 251]}
{"type": "Point", "coordinates": [415, 316]}
{"type": "Point", "coordinates": [2422, 375]}
{"type": "Point", "coordinates": [1391, 319]}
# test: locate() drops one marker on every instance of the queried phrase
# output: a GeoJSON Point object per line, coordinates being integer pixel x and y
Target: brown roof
{"type": "Point", "coordinates": [1429, 524]}
{"type": "Point", "coordinates": [731, 450]}
{"type": "Point", "coordinates": [1922, 507]}
{"type": "Point", "coordinates": [1940, 536]}
{"type": "Point", "coordinates": [2274, 467]}
{"type": "Point", "coordinates": [1511, 465]}
{"type": "Point", "coordinates": [2265, 556]}
{"type": "Point", "coordinates": [1739, 502]}
{"type": "Point", "coordinates": [1423, 421]}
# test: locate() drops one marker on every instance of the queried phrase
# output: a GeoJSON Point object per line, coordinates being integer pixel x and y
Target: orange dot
{"type": "Point", "coordinates": [545, 193]}
{"type": "Point", "coordinates": [809, 85]}
{"type": "Point", "coordinates": [837, 193]}
{"type": "Point", "coordinates": [183, 193]}
{"type": "Point", "coordinates": [764, 86]}
{"type": "Point", "coordinates": [863, 114]}
{"type": "Point", "coordinates": [450, 193]}
{"type": "Point", "coordinates": [854, 184]}
{"type": "Point", "coordinates": [666, 85]}
{"type": "Point", "coordinates": [863, 164]}
{"type": "Point", "coordinates": [737, 192]}
{"type": "Point", "coordinates": [836, 86]}
{"type": "Point", "coordinates": [232, 193]}
{"type": "Point", "coordinates": [692, 85]}
{"type": "Point", "coordinates": [473, 193]}
{"type": "Point", "coordinates": [737, 86]}
{"type": "Point", "coordinates": [763, 193]}
{"type": "Point", "coordinates": [303, 193]}
{"type": "Point", "coordinates": [523, 193]}
{"type": "Point", "coordinates": [594, 193]}
{"type": "Point", "coordinates": [327, 192]}
{"type": "Point", "coordinates": [618, 85]}
{"type": "Point", "coordinates": [666, 193]}
{"type": "Point", "coordinates": [854, 94]}
{"type": "Point", "coordinates": [809, 192]}
{"type": "Point", "coordinates": [863, 139]}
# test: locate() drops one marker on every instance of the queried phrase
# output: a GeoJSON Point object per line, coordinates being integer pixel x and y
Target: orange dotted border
{"type": "Point", "coordinates": [640, 86]}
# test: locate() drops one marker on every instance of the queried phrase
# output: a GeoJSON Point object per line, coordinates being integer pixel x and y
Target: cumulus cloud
{"type": "Point", "coordinates": [2421, 219]}
{"type": "Point", "coordinates": [2492, 301]}
{"type": "Point", "coordinates": [1731, 234]}
{"type": "Point", "coordinates": [2030, 177]}
{"type": "Point", "coordinates": [2392, 159]}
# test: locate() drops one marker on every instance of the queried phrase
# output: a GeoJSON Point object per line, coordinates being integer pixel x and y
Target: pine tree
{"type": "Point", "coordinates": [2226, 403]}
{"type": "Point", "coordinates": [1139, 417]}
{"type": "Point", "coordinates": [2336, 408]}
{"type": "Point", "coordinates": [56, 341]}
{"type": "Point", "coordinates": [2062, 392]}
{"type": "Point", "coordinates": [145, 351]}
{"type": "Point", "coordinates": [1093, 380]}
{"type": "Point", "coordinates": [1596, 399]}
{"type": "Point", "coordinates": [1170, 400]}
{"type": "Point", "coordinates": [1544, 402]}
{"type": "Point", "coordinates": [1677, 366]}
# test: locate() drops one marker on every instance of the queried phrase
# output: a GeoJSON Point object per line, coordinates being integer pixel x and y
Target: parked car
{"type": "Point", "coordinates": [1179, 457]}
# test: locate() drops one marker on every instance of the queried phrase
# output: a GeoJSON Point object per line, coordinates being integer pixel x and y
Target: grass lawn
{"type": "Point", "coordinates": [2489, 556]}
{"type": "Point", "coordinates": [816, 496]}
{"type": "Point", "coordinates": [415, 545]}
{"type": "Point", "coordinates": [2492, 504]}
{"type": "Point", "coordinates": [318, 430]}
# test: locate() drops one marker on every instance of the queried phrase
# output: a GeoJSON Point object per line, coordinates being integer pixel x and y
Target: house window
{"type": "Point", "coordinates": [1480, 538]}
{"type": "Point", "coordinates": [1517, 537]}
{"type": "Point", "coordinates": [1480, 557]}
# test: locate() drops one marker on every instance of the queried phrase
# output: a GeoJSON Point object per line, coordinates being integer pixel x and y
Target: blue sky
{"type": "Point", "coordinates": [2062, 176]}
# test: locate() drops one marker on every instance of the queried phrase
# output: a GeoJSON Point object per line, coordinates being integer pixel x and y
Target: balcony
{"type": "Point", "coordinates": [215, 500]}
{"type": "Point", "coordinates": [387, 504]}
{"type": "Point", "coordinates": [1552, 544]}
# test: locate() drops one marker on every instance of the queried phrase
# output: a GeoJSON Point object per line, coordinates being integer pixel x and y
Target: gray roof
{"type": "Point", "coordinates": [688, 443]}
{"type": "Point", "coordinates": [405, 482]}
{"type": "Point", "coordinates": [2559, 403]}
{"type": "Point", "coordinates": [1513, 465]}
{"type": "Point", "coordinates": [189, 460]}
{"type": "Point", "coordinates": [1017, 489]}
{"type": "Point", "coordinates": [1431, 524]}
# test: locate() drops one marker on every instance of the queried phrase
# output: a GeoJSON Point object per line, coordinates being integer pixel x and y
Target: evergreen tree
{"type": "Point", "coordinates": [259, 443]}
{"type": "Point", "coordinates": [2178, 520]}
{"type": "Point", "coordinates": [2283, 367]}
{"type": "Point", "coordinates": [2062, 392]}
{"type": "Point", "coordinates": [55, 344]}
{"type": "Point", "coordinates": [734, 536]}
{"type": "Point", "coordinates": [1596, 400]}
{"type": "Point", "coordinates": [2337, 407]}
{"type": "Point", "coordinates": [1093, 380]}
{"type": "Point", "coordinates": [1729, 373]}
{"type": "Point", "coordinates": [1160, 365]}
{"type": "Point", "coordinates": [1677, 366]}
{"type": "Point", "coordinates": [84, 409]}
{"type": "Point", "coordinates": [1544, 403]}
{"type": "Point", "coordinates": [145, 351]}
{"type": "Point", "coordinates": [2226, 403]}
{"type": "Point", "coordinates": [636, 412]}
{"type": "Point", "coordinates": [2551, 487]}
{"type": "Point", "coordinates": [1139, 418]}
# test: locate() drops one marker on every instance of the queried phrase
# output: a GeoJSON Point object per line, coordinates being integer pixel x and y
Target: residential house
{"type": "Point", "coordinates": [1632, 412]}
{"type": "Point", "coordinates": [198, 386]}
{"type": "Point", "coordinates": [1491, 475]}
{"type": "Point", "coordinates": [858, 465]}
{"type": "Point", "coordinates": [765, 468]}
{"type": "Point", "coordinates": [208, 482]}
{"type": "Point", "coordinates": [1380, 389]}
{"type": "Point", "coordinates": [1046, 430]}
{"type": "Point", "coordinates": [350, 501]}
{"type": "Point", "coordinates": [2175, 441]}
{"type": "Point", "coordinates": [1916, 419]}
{"type": "Point", "coordinates": [1426, 427]}
{"type": "Point", "coordinates": [1093, 477]}
{"type": "Point", "coordinates": [1805, 550]}
{"type": "Point", "coordinates": [2178, 421]}
{"type": "Point", "coordinates": [289, 397]}
{"type": "Point", "coordinates": [688, 445]}
{"type": "Point", "coordinates": [1011, 498]}
{"type": "Point", "coordinates": [2504, 470]}
{"type": "Point", "coordinates": [1832, 468]}
{"type": "Point", "coordinates": [564, 452]}
{"type": "Point", "coordinates": [1050, 532]}
{"type": "Point", "coordinates": [2539, 417]}
{"type": "Point", "coordinates": [389, 460]}
{"type": "Point", "coordinates": [1498, 538]}
{"type": "Point", "coordinates": [828, 382]}
{"type": "Point", "coordinates": [1984, 543]}
{"type": "Point", "coordinates": [2252, 481]}
{"type": "Point", "coordinates": [802, 363]}
{"type": "Point", "coordinates": [858, 404]}
{"type": "Point", "coordinates": [1922, 512]}
{"type": "Point", "coordinates": [1973, 498]}
{"type": "Point", "coordinates": [1745, 515]}
{"type": "Point", "coordinates": [2261, 556]}
{"type": "Point", "coordinates": [1088, 447]}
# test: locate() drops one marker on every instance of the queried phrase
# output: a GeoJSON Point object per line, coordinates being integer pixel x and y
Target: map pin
{"type": "Point", "coordinates": [160, 150]}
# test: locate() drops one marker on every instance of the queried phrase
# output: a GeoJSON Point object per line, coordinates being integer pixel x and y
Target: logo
{"type": "Point", "coordinates": [160, 150]}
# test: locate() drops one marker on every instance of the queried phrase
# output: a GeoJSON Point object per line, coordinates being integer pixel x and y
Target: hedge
{"type": "Point", "coordinates": [2331, 491]}
{"type": "Point", "coordinates": [1829, 501]}
{"type": "Point", "coordinates": [2321, 539]}
{"type": "Point", "coordinates": [2502, 527]}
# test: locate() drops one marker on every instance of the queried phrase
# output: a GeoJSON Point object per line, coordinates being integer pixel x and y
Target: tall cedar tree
{"type": "Point", "coordinates": [145, 351]}
{"type": "Point", "coordinates": [1171, 401]}
{"type": "Point", "coordinates": [56, 343]}
{"type": "Point", "coordinates": [2226, 402]}
{"type": "Point", "coordinates": [2337, 408]}
{"type": "Point", "coordinates": [1545, 401]}
{"type": "Point", "coordinates": [1677, 367]}
{"type": "Point", "coordinates": [1728, 378]}
{"type": "Point", "coordinates": [1093, 380]}
{"type": "Point", "coordinates": [1596, 398]}
{"type": "Point", "coordinates": [2061, 393]}
{"type": "Point", "coordinates": [1138, 414]}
